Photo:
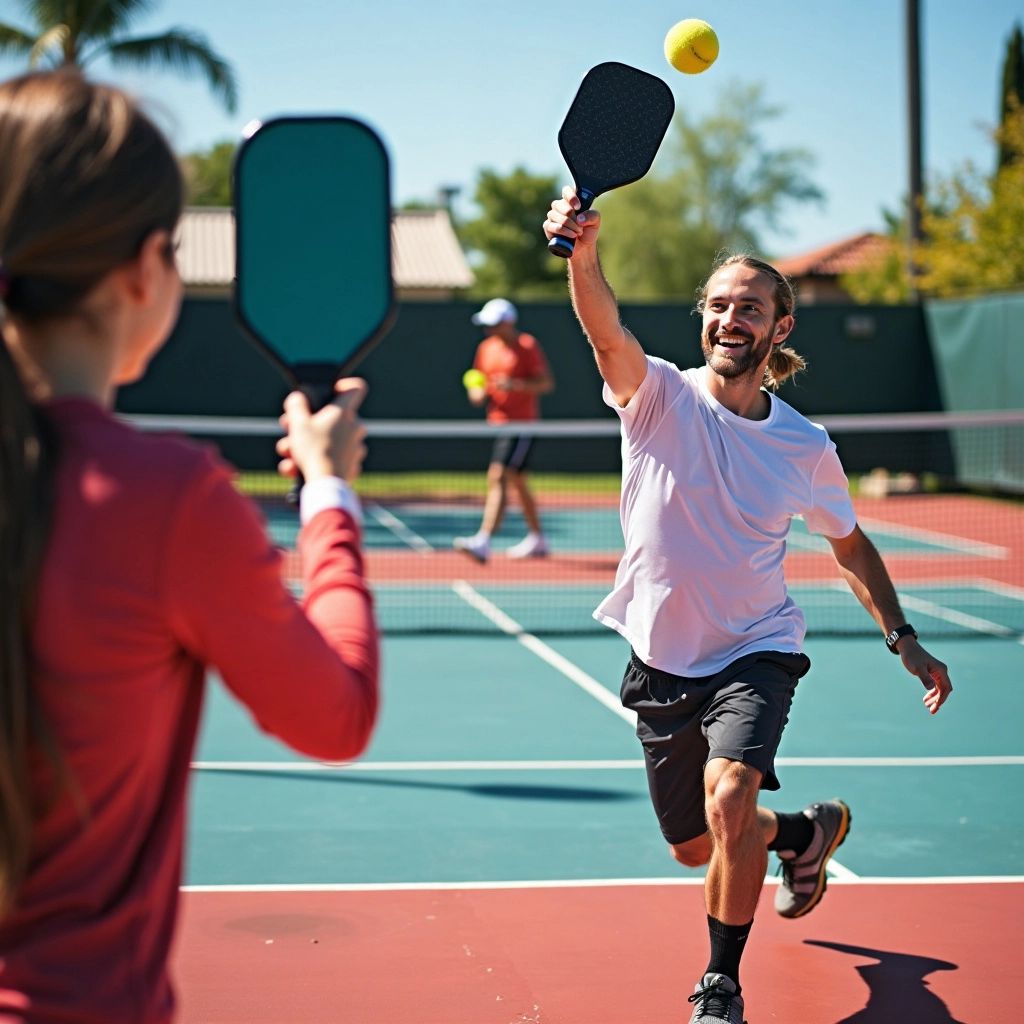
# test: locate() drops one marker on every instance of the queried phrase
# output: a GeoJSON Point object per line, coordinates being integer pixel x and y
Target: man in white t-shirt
{"type": "Point", "coordinates": [715, 467]}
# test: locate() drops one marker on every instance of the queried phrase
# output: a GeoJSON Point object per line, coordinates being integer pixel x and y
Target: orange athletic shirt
{"type": "Point", "coordinates": [522, 361]}
{"type": "Point", "coordinates": [156, 568]}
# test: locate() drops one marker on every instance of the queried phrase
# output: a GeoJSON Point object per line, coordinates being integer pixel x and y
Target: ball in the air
{"type": "Point", "coordinates": [691, 46]}
{"type": "Point", "coordinates": [474, 379]}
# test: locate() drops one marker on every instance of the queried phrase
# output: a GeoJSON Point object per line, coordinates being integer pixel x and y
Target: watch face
{"type": "Point", "coordinates": [898, 634]}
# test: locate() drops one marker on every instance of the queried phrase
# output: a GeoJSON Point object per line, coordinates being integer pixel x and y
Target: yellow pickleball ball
{"type": "Point", "coordinates": [691, 46]}
{"type": "Point", "coordinates": [474, 379]}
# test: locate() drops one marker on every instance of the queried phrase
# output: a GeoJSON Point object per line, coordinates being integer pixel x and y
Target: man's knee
{"type": "Point", "coordinates": [730, 798]}
{"type": "Point", "coordinates": [694, 853]}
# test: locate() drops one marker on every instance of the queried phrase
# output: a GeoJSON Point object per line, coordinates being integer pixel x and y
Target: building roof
{"type": "Point", "coordinates": [425, 254]}
{"type": "Point", "coordinates": [840, 257]}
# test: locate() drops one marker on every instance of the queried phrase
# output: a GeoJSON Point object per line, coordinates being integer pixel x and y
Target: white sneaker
{"type": "Point", "coordinates": [476, 547]}
{"type": "Point", "coordinates": [531, 546]}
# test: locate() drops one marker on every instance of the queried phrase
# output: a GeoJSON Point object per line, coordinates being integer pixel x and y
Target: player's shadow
{"type": "Point", "coordinates": [897, 989]}
{"type": "Point", "coordinates": [505, 790]}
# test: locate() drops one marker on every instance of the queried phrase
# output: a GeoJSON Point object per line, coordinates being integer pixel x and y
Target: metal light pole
{"type": "Point", "coordinates": [914, 230]}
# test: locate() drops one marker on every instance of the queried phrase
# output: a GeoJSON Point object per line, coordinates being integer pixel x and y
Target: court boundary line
{"type": "Point", "coordinates": [571, 671]}
{"type": "Point", "coordinates": [606, 764]}
{"type": "Point", "coordinates": [957, 544]}
{"type": "Point", "coordinates": [535, 646]}
{"type": "Point", "coordinates": [942, 611]}
{"type": "Point", "coordinates": [582, 883]}
{"type": "Point", "coordinates": [957, 618]}
{"type": "Point", "coordinates": [508, 625]}
{"type": "Point", "coordinates": [948, 545]}
{"type": "Point", "coordinates": [392, 523]}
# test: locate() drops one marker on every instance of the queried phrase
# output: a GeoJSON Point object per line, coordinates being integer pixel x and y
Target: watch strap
{"type": "Point", "coordinates": [897, 634]}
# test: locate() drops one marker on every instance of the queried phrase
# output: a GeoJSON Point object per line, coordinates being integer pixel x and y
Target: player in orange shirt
{"type": "Point", "coordinates": [517, 375]}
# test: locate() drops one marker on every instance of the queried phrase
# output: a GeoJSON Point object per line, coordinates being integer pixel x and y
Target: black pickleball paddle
{"type": "Point", "coordinates": [612, 132]}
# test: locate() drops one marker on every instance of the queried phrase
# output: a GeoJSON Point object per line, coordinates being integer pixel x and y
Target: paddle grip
{"type": "Point", "coordinates": [319, 395]}
{"type": "Point", "coordinates": [562, 246]}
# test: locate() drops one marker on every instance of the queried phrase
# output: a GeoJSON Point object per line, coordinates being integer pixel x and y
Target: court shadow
{"type": "Point", "coordinates": [508, 791]}
{"type": "Point", "coordinates": [897, 989]}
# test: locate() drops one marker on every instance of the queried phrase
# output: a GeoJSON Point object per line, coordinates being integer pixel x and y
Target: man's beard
{"type": "Point", "coordinates": [740, 363]}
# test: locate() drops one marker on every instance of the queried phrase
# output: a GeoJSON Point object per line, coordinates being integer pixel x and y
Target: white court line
{"type": "Point", "coordinates": [547, 654]}
{"type": "Point", "coordinates": [1004, 590]}
{"type": "Point", "coordinates": [958, 618]}
{"type": "Point", "coordinates": [998, 587]}
{"type": "Point", "coordinates": [582, 883]}
{"type": "Point", "coordinates": [940, 611]}
{"type": "Point", "coordinates": [982, 583]}
{"type": "Point", "coordinates": [839, 871]}
{"type": "Point", "coordinates": [961, 545]}
{"type": "Point", "coordinates": [398, 528]}
{"type": "Point", "coordinates": [880, 527]}
{"type": "Point", "coordinates": [571, 672]}
{"type": "Point", "coordinates": [631, 764]}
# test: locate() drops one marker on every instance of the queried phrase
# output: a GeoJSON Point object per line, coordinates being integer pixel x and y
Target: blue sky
{"type": "Point", "coordinates": [457, 85]}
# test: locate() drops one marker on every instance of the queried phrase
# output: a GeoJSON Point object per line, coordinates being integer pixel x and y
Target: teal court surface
{"type": "Point", "coordinates": [494, 857]}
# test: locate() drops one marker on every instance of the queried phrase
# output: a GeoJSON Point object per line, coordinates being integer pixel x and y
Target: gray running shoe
{"type": "Point", "coordinates": [717, 1001]}
{"type": "Point", "coordinates": [803, 877]}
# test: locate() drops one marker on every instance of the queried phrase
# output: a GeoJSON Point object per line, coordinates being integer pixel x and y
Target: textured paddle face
{"type": "Point", "coordinates": [612, 132]}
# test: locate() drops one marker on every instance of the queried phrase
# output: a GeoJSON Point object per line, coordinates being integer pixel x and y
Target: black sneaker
{"type": "Point", "coordinates": [717, 1001]}
{"type": "Point", "coordinates": [803, 877]}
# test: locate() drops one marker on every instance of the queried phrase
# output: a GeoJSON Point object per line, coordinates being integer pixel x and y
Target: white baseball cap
{"type": "Point", "coordinates": [497, 311]}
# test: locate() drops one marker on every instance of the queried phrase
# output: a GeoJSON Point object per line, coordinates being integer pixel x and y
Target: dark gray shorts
{"type": "Point", "coordinates": [738, 713]}
{"type": "Point", "coordinates": [512, 450]}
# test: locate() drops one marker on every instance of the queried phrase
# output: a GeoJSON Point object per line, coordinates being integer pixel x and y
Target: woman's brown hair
{"type": "Point", "coordinates": [784, 362]}
{"type": "Point", "coordinates": [85, 178]}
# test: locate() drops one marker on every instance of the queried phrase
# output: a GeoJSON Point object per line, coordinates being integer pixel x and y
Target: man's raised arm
{"type": "Point", "coordinates": [620, 359]}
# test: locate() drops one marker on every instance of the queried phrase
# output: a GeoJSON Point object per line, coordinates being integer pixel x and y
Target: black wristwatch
{"type": "Point", "coordinates": [900, 631]}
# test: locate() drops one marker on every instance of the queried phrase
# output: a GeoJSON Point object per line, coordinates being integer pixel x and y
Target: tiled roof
{"type": "Point", "coordinates": [206, 246]}
{"type": "Point", "coordinates": [425, 254]}
{"type": "Point", "coordinates": [838, 258]}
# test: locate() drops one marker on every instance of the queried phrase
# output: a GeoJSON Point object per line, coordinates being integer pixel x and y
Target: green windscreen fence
{"type": "Point", "coordinates": [978, 350]}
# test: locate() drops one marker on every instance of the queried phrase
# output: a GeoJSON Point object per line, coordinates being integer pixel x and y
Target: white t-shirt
{"type": "Point", "coordinates": [707, 500]}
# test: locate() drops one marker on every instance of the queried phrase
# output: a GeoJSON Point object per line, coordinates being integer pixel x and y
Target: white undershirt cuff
{"type": "Point", "coordinates": [328, 492]}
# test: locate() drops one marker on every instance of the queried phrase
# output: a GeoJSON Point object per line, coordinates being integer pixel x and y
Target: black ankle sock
{"type": "Point", "coordinates": [795, 833]}
{"type": "Point", "coordinates": [727, 943]}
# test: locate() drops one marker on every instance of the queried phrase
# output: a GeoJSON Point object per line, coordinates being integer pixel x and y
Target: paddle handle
{"type": "Point", "coordinates": [319, 395]}
{"type": "Point", "coordinates": [562, 246]}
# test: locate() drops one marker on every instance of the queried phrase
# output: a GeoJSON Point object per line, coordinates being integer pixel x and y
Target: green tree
{"type": "Point", "coordinates": [717, 184]}
{"type": "Point", "coordinates": [974, 233]}
{"type": "Point", "coordinates": [1012, 93]}
{"type": "Point", "coordinates": [505, 241]}
{"type": "Point", "coordinates": [208, 175]}
{"type": "Point", "coordinates": [978, 245]}
{"type": "Point", "coordinates": [77, 32]}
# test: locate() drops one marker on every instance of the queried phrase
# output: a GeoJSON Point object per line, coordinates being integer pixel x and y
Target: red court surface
{"type": "Point", "coordinates": [620, 954]}
{"type": "Point", "coordinates": [950, 519]}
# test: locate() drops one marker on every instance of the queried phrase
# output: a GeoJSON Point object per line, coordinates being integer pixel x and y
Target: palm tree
{"type": "Point", "coordinates": [79, 31]}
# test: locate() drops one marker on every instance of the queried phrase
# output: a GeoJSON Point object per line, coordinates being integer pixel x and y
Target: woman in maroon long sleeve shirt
{"type": "Point", "coordinates": [129, 563]}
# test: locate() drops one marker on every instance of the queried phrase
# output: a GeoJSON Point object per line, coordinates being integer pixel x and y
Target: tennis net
{"type": "Point", "coordinates": [941, 495]}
